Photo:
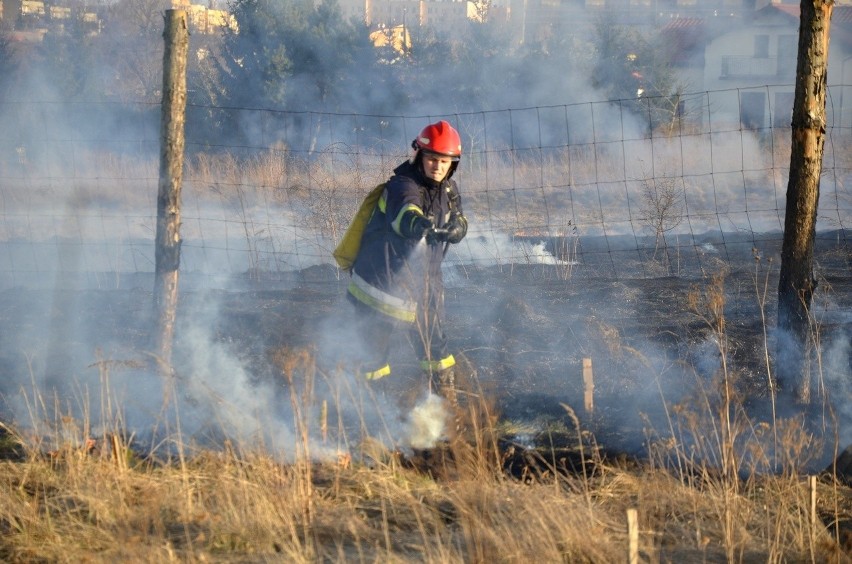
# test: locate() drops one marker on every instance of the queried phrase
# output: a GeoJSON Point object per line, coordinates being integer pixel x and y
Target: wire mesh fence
{"type": "Point", "coordinates": [621, 188]}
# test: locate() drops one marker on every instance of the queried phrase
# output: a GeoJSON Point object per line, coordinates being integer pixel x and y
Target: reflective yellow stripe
{"type": "Point", "coordinates": [379, 373]}
{"type": "Point", "coordinates": [383, 302]}
{"type": "Point", "coordinates": [435, 365]}
{"type": "Point", "coordinates": [398, 219]}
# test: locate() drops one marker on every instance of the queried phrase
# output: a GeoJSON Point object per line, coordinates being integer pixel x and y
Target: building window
{"type": "Point", "coordinates": [761, 46]}
{"type": "Point", "coordinates": [783, 111]}
{"type": "Point", "coordinates": [753, 110]}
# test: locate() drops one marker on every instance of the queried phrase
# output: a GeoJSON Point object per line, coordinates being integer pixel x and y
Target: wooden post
{"type": "Point", "coordinates": [588, 386]}
{"type": "Point", "coordinates": [633, 536]}
{"type": "Point", "coordinates": [173, 120]}
{"type": "Point", "coordinates": [812, 489]}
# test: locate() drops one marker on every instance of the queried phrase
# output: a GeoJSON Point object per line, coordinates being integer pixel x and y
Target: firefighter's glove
{"type": "Point", "coordinates": [456, 228]}
{"type": "Point", "coordinates": [416, 226]}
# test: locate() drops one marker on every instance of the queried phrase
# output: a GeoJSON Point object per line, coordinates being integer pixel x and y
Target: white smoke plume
{"type": "Point", "coordinates": [427, 423]}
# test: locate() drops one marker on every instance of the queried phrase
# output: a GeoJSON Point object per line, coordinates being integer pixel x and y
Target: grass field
{"type": "Point", "coordinates": [720, 468]}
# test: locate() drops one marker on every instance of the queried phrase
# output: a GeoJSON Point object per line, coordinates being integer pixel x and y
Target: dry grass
{"type": "Point", "coordinates": [97, 500]}
{"type": "Point", "coordinates": [74, 506]}
{"type": "Point", "coordinates": [717, 485]}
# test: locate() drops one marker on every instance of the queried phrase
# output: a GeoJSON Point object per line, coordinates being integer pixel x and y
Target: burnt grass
{"type": "Point", "coordinates": [520, 333]}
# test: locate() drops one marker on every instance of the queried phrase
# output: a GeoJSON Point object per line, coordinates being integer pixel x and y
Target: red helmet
{"type": "Point", "coordinates": [439, 138]}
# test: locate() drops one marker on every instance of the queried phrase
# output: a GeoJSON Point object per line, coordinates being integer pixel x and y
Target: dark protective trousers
{"type": "Point", "coordinates": [378, 332]}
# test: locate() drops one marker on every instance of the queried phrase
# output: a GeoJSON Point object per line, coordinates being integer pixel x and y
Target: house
{"type": "Point", "coordinates": [751, 69]}
{"type": "Point", "coordinates": [205, 20]}
{"type": "Point", "coordinates": [396, 38]}
{"type": "Point", "coordinates": [451, 17]}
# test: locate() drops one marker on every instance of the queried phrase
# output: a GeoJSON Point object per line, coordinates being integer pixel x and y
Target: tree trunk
{"type": "Point", "coordinates": [167, 252]}
{"type": "Point", "coordinates": [797, 283]}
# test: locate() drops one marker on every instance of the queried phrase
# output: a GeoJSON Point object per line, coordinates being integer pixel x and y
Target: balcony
{"type": "Point", "coordinates": [755, 67]}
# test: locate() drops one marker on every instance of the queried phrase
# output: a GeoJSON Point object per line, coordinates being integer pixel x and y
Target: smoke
{"type": "Point", "coordinates": [289, 410]}
{"type": "Point", "coordinates": [485, 247]}
{"type": "Point", "coordinates": [219, 395]}
{"type": "Point", "coordinates": [427, 423]}
{"type": "Point", "coordinates": [76, 355]}
{"type": "Point", "coordinates": [837, 362]}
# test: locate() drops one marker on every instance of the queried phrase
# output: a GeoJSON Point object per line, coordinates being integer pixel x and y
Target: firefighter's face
{"type": "Point", "coordinates": [435, 166]}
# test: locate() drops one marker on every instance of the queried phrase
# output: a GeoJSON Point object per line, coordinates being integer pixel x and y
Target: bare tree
{"type": "Point", "coordinates": [662, 207]}
{"type": "Point", "coordinates": [132, 49]}
{"type": "Point", "coordinates": [796, 284]}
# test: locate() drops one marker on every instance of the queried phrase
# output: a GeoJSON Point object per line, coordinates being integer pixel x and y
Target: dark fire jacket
{"type": "Point", "coordinates": [393, 274]}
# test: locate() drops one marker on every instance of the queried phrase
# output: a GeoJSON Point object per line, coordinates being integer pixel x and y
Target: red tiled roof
{"type": "Point", "coordinates": [683, 23]}
{"type": "Point", "coordinates": [840, 14]}
{"type": "Point", "coordinates": [841, 22]}
{"type": "Point", "coordinates": [684, 36]}
{"type": "Point", "coordinates": [33, 36]}
{"type": "Point", "coordinates": [790, 9]}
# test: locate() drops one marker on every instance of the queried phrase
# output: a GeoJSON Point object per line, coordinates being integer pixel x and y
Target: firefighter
{"type": "Point", "coordinates": [396, 278]}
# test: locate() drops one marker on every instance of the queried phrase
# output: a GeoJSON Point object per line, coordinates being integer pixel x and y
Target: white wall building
{"type": "Point", "coordinates": [753, 66]}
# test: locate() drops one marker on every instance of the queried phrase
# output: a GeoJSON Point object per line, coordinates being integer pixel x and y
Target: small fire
{"type": "Point", "coordinates": [344, 460]}
{"type": "Point", "coordinates": [427, 422]}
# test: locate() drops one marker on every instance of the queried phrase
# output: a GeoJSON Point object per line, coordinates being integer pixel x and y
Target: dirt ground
{"type": "Point", "coordinates": [520, 332]}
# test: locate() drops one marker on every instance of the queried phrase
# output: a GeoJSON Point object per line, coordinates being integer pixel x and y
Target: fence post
{"type": "Point", "coordinates": [588, 386]}
{"type": "Point", "coordinates": [173, 120]}
{"type": "Point", "coordinates": [632, 536]}
{"type": "Point", "coordinates": [812, 491]}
